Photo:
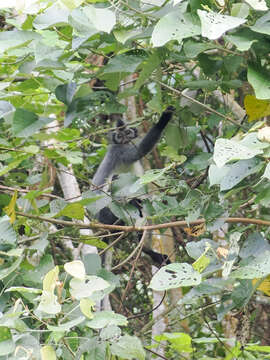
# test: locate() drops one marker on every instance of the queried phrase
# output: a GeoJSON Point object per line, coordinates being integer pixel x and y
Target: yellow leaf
{"type": "Point", "coordinates": [256, 108]}
{"type": "Point", "coordinates": [201, 263]}
{"type": "Point", "coordinates": [10, 208]}
{"type": "Point", "coordinates": [264, 286]}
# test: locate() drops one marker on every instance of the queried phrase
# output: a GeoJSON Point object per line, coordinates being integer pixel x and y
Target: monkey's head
{"type": "Point", "coordinates": [122, 134]}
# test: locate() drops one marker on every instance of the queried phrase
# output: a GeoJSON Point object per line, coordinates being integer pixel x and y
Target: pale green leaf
{"type": "Point", "coordinates": [175, 275]}
{"type": "Point", "coordinates": [50, 280]}
{"type": "Point", "coordinates": [262, 24]}
{"type": "Point", "coordinates": [259, 78]}
{"type": "Point", "coordinates": [23, 289]}
{"type": "Point", "coordinates": [128, 347]}
{"type": "Point", "coordinates": [67, 325]}
{"type": "Point", "coordinates": [9, 270]}
{"type": "Point", "coordinates": [214, 25]}
{"type": "Point", "coordinates": [52, 16]}
{"type": "Point", "coordinates": [76, 269]}
{"type": "Point", "coordinates": [49, 303]}
{"type": "Point", "coordinates": [174, 26]}
{"type": "Point", "coordinates": [47, 353]}
{"type": "Point", "coordinates": [106, 318]}
{"type": "Point", "coordinates": [102, 19]}
{"type": "Point", "coordinates": [87, 306]}
{"type": "Point", "coordinates": [228, 150]}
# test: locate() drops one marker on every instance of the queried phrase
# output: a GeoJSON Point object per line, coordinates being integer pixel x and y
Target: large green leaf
{"type": "Point", "coordinates": [175, 26]}
{"type": "Point", "coordinates": [52, 16]}
{"type": "Point", "coordinates": [27, 123]}
{"type": "Point", "coordinates": [128, 347]}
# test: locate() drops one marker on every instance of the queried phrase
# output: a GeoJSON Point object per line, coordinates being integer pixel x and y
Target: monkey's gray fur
{"type": "Point", "coordinates": [123, 152]}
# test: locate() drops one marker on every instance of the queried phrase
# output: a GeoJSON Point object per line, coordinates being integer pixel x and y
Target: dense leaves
{"type": "Point", "coordinates": [68, 70]}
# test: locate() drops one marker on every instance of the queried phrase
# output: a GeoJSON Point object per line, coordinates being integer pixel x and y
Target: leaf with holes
{"type": "Point", "coordinates": [256, 268]}
{"type": "Point", "coordinates": [215, 25]}
{"type": "Point", "coordinates": [175, 275]}
{"type": "Point", "coordinates": [228, 150]}
{"type": "Point", "coordinates": [174, 26]}
{"type": "Point", "coordinates": [238, 171]}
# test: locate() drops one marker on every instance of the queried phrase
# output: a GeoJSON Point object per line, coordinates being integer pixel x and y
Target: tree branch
{"type": "Point", "coordinates": [131, 228]}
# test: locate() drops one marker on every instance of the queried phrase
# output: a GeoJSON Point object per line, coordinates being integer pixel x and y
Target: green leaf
{"type": "Point", "coordinates": [153, 175]}
{"type": "Point", "coordinates": [110, 333]}
{"type": "Point", "coordinates": [52, 16]}
{"type": "Point", "coordinates": [87, 306]}
{"type": "Point", "coordinates": [256, 268]}
{"type": "Point", "coordinates": [232, 253]}
{"type": "Point", "coordinates": [106, 318]}
{"type": "Point", "coordinates": [152, 64]}
{"type": "Point", "coordinates": [259, 79]}
{"type": "Point", "coordinates": [49, 303]}
{"type": "Point", "coordinates": [26, 123]}
{"type": "Point", "coordinates": [205, 84]}
{"type": "Point", "coordinates": [7, 271]}
{"type": "Point", "coordinates": [214, 25]}
{"type": "Point", "coordinates": [7, 233]}
{"type": "Point", "coordinates": [230, 175]}
{"type": "Point", "coordinates": [126, 63]}
{"type": "Point", "coordinates": [81, 24]}
{"type": "Point", "coordinates": [175, 26]}
{"type": "Point", "coordinates": [67, 325]}
{"type": "Point", "coordinates": [180, 342]}
{"type": "Point", "coordinates": [85, 288]}
{"type": "Point", "coordinates": [98, 15]}
{"type": "Point", "coordinates": [193, 48]}
{"type": "Point", "coordinates": [22, 289]}
{"type": "Point", "coordinates": [254, 245]}
{"type": "Point", "coordinates": [13, 164]}
{"type": "Point", "coordinates": [6, 108]}
{"type": "Point", "coordinates": [73, 210]}
{"type": "Point", "coordinates": [7, 345]}
{"type": "Point", "coordinates": [50, 280]}
{"type": "Point", "coordinates": [128, 347]}
{"type": "Point", "coordinates": [265, 349]}
{"type": "Point", "coordinates": [65, 93]}
{"type": "Point", "coordinates": [242, 39]}
{"type": "Point", "coordinates": [12, 39]}
{"type": "Point", "coordinates": [262, 24]}
{"type": "Point", "coordinates": [240, 10]}
{"type": "Point", "coordinates": [173, 276]}
{"type": "Point", "coordinates": [266, 173]}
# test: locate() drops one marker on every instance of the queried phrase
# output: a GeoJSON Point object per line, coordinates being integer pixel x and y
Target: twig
{"type": "Point", "coordinates": [139, 247]}
{"type": "Point", "coordinates": [112, 244]}
{"type": "Point", "coordinates": [199, 103]}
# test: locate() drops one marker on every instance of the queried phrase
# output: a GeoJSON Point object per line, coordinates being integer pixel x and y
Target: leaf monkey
{"type": "Point", "coordinates": [123, 152]}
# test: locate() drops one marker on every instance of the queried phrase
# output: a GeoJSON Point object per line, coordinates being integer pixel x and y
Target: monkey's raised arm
{"type": "Point", "coordinates": [152, 137]}
{"type": "Point", "coordinates": [105, 169]}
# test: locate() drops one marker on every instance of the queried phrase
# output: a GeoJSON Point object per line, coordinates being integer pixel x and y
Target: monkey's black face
{"type": "Point", "coordinates": [123, 134]}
